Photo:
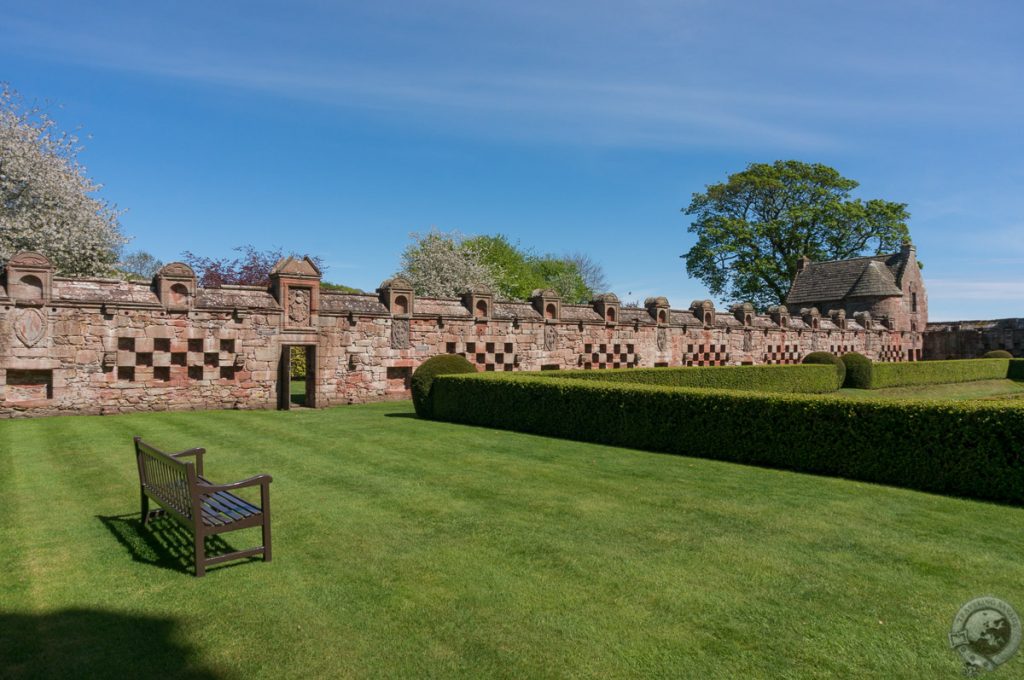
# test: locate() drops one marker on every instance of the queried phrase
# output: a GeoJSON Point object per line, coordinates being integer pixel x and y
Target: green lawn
{"type": "Point", "coordinates": [979, 389]}
{"type": "Point", "coordinates": [406, 548]}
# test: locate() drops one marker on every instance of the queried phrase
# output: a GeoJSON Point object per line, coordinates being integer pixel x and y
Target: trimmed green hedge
{"type": "Point", "coordinates": [937, 372]}
{"type": "Point", "coordinates": [798, 378]}
{"type": "Point", "coordinates": [1016, 369]}
{"type": "Point", "coordinates": [997, 354]}
{"type": "Point", "coordinates": [972, 449]}
{"type": "Point", "coordinates": [828, 359]}
{"type": "Point", "coordinates": [859, 371]}
{"type": "Point", "coordinates": [423, 378]}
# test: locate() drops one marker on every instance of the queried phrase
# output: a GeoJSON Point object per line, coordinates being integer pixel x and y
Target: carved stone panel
{"type": "Point", "coordinates": [748, 341]}
{"type": "Point", "coordinates": [298, 306]}
{"type": "Point", "coordinates": [30, 326]}
{"type": "Point", "coordinates": [550, 338]}
{"type": "Point", "coordinates": [662, 339]}
{"type": "Point", "coordinates": [400, 334]}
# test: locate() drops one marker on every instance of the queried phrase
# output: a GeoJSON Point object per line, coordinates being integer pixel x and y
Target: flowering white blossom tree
{"type": "Point", "coordinates": [47, 201]}
{"type": "Point", "coordinates": [444, 265]}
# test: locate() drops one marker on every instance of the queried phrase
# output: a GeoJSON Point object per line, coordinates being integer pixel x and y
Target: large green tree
{"type": "Point", "coordinates": [754, 227]}
{"type": "Point", "coordinates": [445, 264]}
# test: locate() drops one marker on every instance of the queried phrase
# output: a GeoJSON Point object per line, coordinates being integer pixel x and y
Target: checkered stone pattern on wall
{"type": "Point", "coordinates": [493, 355]}
{"type": "Point", "coordinates": [782, 354]}
{"type": "Point", "coordinates": [840, 350]}
{"type": "Point", "coordinates": [706, 354]}
{"type": "Point", "coordinates": [166, 359]}
{"type": "Point", "coordinates": [615, 355]}
{"type": "Point", "coordinates": [890, 354]}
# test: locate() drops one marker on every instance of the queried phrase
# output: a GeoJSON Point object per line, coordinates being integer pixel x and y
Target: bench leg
{"type": "Point", "coordinates": [200, 548]}
{"type": "Point", "coordinates": [145, 506]}
{"type": "Point", "coordinates": [266, 539]}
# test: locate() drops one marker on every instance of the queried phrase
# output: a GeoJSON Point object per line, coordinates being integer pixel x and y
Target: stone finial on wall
{"type": "Point", "coordinates": [743, 312]}
{"type": "Point", "coordinates": [397, 295]}
{"type": "Point", "coordinates": [548, 303]}
{"type": "Point", "coordinates": [838, 318]}
{"type": "Point", "coordinates": [811, 317]}
{"type": "Point", "coordinates": [29, 278]}
{"type": "Point", "coordinates": [607, 305]}
{"type": "Point", "coordinates": [704, 311]}
{"type": "Point", "coordinates": [658, 308]}
{"type": "Point", "coordinates": [479, 300]}
{"type": "Point", "coordinates": [295, 283]}
{"type": "Point", "coordinates": [864, 319]}
{"type": "Point", "coordinates": [175, 285]}
{"type": "Point", "coordinates": [780, 315]}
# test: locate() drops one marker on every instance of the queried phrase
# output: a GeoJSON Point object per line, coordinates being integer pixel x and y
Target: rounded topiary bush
{"type": "Point", "coordinates": [828, 359]}
{"type": "Point", "coordinates": [858, 371]}
{"type": "Point", "coordinates": [423, 377]}
{"type": "Point", "coordinates": [997, 354]}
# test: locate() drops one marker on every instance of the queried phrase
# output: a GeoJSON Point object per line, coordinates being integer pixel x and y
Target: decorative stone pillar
{"type": "Point", "coordinates": [704, 311]}
{"type": "Point", "coordinates": [479, 300]}
{"type": "Point", "coordinates": [548, 304]}
{"type": "Point", "coordinates": [811, 317]}
{"type": "Point", "coordinates": [607, 306]}
{"type": "Point", "coordinates": [29, 278]}
{"type": "Point", "coordinates": [296, 285]}
{"type": "Point", "coordinates": [744, 313]}
{"type": "Point", "coordinates": [175, 286]}
{"type": "Point", "coordinates": [658, 308]}
{"type": "Point", "coordinates": [397, 295]}
{"type": "Point", "coordinates": [780, 315]}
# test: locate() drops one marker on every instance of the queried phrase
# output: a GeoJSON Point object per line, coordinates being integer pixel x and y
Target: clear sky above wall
{"type": "Point", "coordinates": [339, 128]}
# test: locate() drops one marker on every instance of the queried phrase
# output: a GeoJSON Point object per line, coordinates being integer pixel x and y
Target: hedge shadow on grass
{"type": "Point", "coordinates": [90, 643]}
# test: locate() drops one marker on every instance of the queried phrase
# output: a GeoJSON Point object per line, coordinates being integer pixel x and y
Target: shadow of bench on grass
{"type": "Point", "coordinates": [88, 643]}
{"type": "Point", "coordinates": [164, 543]}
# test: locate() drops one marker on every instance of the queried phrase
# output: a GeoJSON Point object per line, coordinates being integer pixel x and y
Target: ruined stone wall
{"type": "Point", "coordinates": [106, 346]}
{"type": "Point", "coordinates": [971, 339]}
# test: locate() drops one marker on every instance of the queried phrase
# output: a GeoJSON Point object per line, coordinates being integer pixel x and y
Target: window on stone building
{"type": "Point", "coordinates": [913, 302]}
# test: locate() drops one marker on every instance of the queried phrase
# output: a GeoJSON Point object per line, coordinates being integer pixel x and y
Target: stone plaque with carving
{"type": "Point", "coordinates": [550, 338]}
{"type": "Point", "coordinates": [662, 339]}
{"type": "Point", "coordinates": [30, 326]}
{"type": "Point", "coordinates": [748, 341]}
{"type": "Point", "coordinates": [400, 333]}
{"type": "Point", "coordinates": [298, 306]}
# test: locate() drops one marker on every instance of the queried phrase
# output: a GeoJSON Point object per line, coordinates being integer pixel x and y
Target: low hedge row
{"type": "Point", "coordinates": [809, 379]}
{"type": "Point", "coordinates": [936, 372]}
{"type": "Point", "coordinates": [971, 449]}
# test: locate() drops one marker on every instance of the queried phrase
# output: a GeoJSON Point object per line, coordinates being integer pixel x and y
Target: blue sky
{"type": "Point", "coordinates": [337, 128]}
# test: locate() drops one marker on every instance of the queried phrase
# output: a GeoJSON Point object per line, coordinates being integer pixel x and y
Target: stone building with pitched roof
{"type": "Point", "coordinates": [878, 290]}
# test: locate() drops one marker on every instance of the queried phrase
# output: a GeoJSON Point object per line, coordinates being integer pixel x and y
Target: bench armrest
{"type": "Point", "coordinates": [197, 453]}
{"type": "Point", "coordinates": [258, 480]}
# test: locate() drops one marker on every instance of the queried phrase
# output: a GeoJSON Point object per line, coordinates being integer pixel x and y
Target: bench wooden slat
{"type": "Point", "coordinates": [174, 481]}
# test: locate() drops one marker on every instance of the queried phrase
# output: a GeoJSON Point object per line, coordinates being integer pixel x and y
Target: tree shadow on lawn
{"type": "Point", "coordinates": [88, 643]}
{"type": "Point", "coordinates": [401, 415]}
{"type": "Point", "coordinates": [163, 542]}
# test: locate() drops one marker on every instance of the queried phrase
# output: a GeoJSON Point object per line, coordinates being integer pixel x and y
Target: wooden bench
{"type": "Point", "coordinates": [175, 481]}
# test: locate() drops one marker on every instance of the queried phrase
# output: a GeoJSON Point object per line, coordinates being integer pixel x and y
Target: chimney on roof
{"type": "Point", "coordinates": [907, 248]}
{"type": "Point", "coordinates": [802, 263]}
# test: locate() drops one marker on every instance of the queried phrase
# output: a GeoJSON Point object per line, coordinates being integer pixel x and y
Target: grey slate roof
{"type": "Point", "coordinates": [875, 276]}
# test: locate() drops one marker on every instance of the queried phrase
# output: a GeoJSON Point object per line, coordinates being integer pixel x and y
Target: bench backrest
{"type": "Point", "coordinates": [168, 479]}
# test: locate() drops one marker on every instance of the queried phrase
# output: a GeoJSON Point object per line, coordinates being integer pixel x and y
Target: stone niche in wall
{"type": "Point", "coordinates": [29, 278]}
{"type": "Point", "coordinates": [175, 286]}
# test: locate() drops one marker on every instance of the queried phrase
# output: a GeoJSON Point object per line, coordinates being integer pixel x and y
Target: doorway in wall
{"type": "Point", "coordinates": [296, 382]}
